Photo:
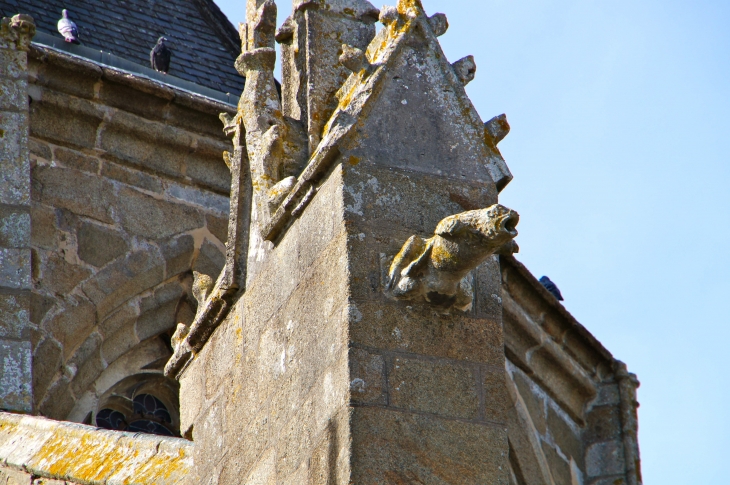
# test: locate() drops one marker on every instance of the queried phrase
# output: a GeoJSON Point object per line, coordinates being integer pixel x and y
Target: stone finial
{"type": "Point", "coordinates": [436, 269]}
{"type": "Point", "coordinates": [20, 29]}
{"type": "Point", "coordinates": [353, 58]}
{"type": "Point", "coordinates": [465, 69]}
{"type": "Point", "coordinates": [260, 29]}
{"type": "Point", "coordinates": [388, 15]}
{"type": "Point", "coordinates": [178, 337]}
{"type": "Point", "coordinates": [497, 128]}
{"type": "Point", "coordinates": [439, 24]}
{"type": "Point", "coordinates": [202, 286]}
{"type": "Point", "coordinates": [286, 32]}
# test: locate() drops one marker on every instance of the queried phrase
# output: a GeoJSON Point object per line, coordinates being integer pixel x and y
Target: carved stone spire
{"type": "Point", "coordinates": [311, 70]}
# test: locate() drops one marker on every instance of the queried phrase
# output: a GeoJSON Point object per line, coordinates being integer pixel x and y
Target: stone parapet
{"type": "Point", "coordinates": [41, 451]}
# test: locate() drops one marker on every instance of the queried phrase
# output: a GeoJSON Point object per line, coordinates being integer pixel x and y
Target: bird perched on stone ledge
{"type": "Point", "coordinates": [67, 28]}
{"type": "Point", "coordinates": [160, 56]}
{"type": "Point", "coordinates": [551, 287]}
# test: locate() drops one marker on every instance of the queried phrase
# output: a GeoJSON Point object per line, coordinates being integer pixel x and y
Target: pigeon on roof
{"type": "Point", "coordinates": [551, 287]}
{"type": "Point", "coordinates": [67, 28]}
{"type": "Point", "coordinates": [160, 56]}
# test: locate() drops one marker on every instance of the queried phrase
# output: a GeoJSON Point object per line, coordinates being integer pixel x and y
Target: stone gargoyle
{"type": "Point", "coordinates": [436, 268]}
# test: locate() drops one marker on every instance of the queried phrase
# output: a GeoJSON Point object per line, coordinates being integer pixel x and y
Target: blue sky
{"type": "Point", "coordinates": [620, 115]}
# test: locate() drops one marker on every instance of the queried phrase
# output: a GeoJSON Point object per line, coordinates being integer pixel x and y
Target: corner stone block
{"type": "Point", "coordinates": [14, 228]}
{"type": "Point", "coordinates": [605, 459]}
{"type": "Point", "coordinates": [14, 316]}
{"type": "Point", "coordinates": [14, 477]}
{"type": "Point", "coordinates": [442, 387]}
{"type": "Point", "coordinates": [14, 161]}
{"type": "Point", "coordinates": [15, 268]}
{"type": "Point", "coordinates": [15, 376]}
{"type": "Point", "coordinates": [449, 451]}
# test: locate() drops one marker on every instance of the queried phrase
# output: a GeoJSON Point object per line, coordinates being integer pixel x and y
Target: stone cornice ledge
{"type": "Point", "coordinates": [88, 455]}
{"type": "Point", "coordinates": [196, 101]}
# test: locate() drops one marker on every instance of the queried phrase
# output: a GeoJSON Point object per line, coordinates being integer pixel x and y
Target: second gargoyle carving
{"type": "Point", "coordinates": [436, 268]}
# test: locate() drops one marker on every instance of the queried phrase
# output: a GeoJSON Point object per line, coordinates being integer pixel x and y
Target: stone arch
{"type": "Point", "coordinates": [123, 311]}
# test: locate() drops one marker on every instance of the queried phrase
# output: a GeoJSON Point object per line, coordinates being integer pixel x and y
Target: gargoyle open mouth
{"type": "Point", "coordinates": [509, 223]}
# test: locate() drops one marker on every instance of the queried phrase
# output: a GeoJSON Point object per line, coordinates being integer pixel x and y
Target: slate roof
{"type": "Point", "coordinates": [204, 42]}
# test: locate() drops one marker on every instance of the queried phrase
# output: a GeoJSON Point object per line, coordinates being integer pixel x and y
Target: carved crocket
{"type": "Point", "coordinates": [436, 268]}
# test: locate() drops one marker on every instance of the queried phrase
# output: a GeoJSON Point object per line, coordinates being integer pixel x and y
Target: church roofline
{"type": "Point", "coordinates": [552, 302]}
{"type": "Point", "coordinates": [51, 48]}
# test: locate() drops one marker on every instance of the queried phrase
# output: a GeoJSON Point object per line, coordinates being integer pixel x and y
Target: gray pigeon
{"type": "Point", "coordinates": [551, 287]}
{"type": "Point", "coordinates": [160, 56]}
{"type": "Point", "coordinates": [68, 29]}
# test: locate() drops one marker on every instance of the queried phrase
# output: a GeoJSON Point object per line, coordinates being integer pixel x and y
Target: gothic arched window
{"type": "Point", "coordinates": [140, 404]}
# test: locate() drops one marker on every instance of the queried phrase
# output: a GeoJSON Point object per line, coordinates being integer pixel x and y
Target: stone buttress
{"type": "Point", "coordinates": [16, 393]}
{"type": "Point", "coordinates": [319, 373]}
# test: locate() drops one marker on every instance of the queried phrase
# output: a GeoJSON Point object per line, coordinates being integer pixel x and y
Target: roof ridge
{"type": "Point", "coordinates": [221, 23]}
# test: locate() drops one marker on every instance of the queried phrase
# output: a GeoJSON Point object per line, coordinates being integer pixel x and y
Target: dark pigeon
{"type": "Point", "coordinates": [68, 29]}
{"type": "Point", "coordinates": [551, 287]}
{"type": "Point", "coordinates": [160, 56]}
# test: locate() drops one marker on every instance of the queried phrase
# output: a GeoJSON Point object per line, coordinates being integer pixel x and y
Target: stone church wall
{"type": "Point", "coordinates": [267, 396]}
{"type": "Point", "coordinates": [129, 194]}
{"type": "Point", "coordinates": [573, 412]}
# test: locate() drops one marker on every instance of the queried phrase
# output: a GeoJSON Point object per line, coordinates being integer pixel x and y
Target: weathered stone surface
{"type": "Point", "coordinates": [47, 360]}
{"type": "Point", "coordinates": [198, 197]}
{"type": "Point", "coordinates": [605, 458]}
{"type": "Point", "coordinates": [132, 177]}
{"type": "Point", "coordinates": [83, 194]}
{"type": "Point", "coordinates": [367, 377]}
{"type": "Point", "coordinates": [88, 364]}
{"type": "Point", "coordinates": [43, 232]}
{"type": "Point", "coordinates": [496, 400]}
{"type": "Point", "coordinates": [72, 324]}
{"type": "Point", "coordinates": [119, 343]}
{"type": "Point", "coordinates": [442, 387]}
{"type": "Point", "coordinates": [218, 226]}
{"type": "Point", "coordinates": [58, 275]}
{"type": "Point", "coordinates": [14, 315]}
{"type": "Point", "coordinates": [16, 392]}
{"type": "Point", "coordinates": [421, 330]}
{"type": "Point", "coordinates": [152, 218]}
{"type": "Point", "coordinates": [393, 447]}
{"type": "Point", "coordinates": [84, 454]}
{"type": "Point", "coordinates": [153, 146]}
{"type": "Point", "coordinates": [14, 162]}
{"type": "Point", "coordinates": [14, 227]}
{"type": "Point", "coordinates": [156, 321]}
{"type": "Point", "coordinates": [98, 245]}
{"type": "Point", "coordinates": [39, 150]}
{"type": "Point", "coordinates": [15, 268]}
{"type": "Point", "coordinates": [210, 260]}
{"type": "Point", "coordinates": [178, 254]}
{"type": "Point", "coordinates": [123, 279]}
{"type": "Point", "coordinates": [535, 403]}
{"type": "Point", "coordinates": [76, 160]}
{"type": "Point", "coordinates": [559, 468]}
{"type": "Point", "coordinates": [567, 437]}
{"type": "Point", "coordinates": [71, 121]}
{"type": "Point", "coordinates": [14, 477]}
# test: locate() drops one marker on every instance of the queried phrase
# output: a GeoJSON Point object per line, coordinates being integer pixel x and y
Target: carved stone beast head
{"type": "Point", "coordinates": [477, 233]}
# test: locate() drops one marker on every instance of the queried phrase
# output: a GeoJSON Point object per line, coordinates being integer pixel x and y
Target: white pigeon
{"type": "Point", "coordinates": [68, 29]}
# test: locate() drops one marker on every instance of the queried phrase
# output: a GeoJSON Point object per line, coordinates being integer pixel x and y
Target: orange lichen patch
{"type": "Point", "coordinates": [92, 456]}
{"type": "Point", "coordinates": [353, 160]}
